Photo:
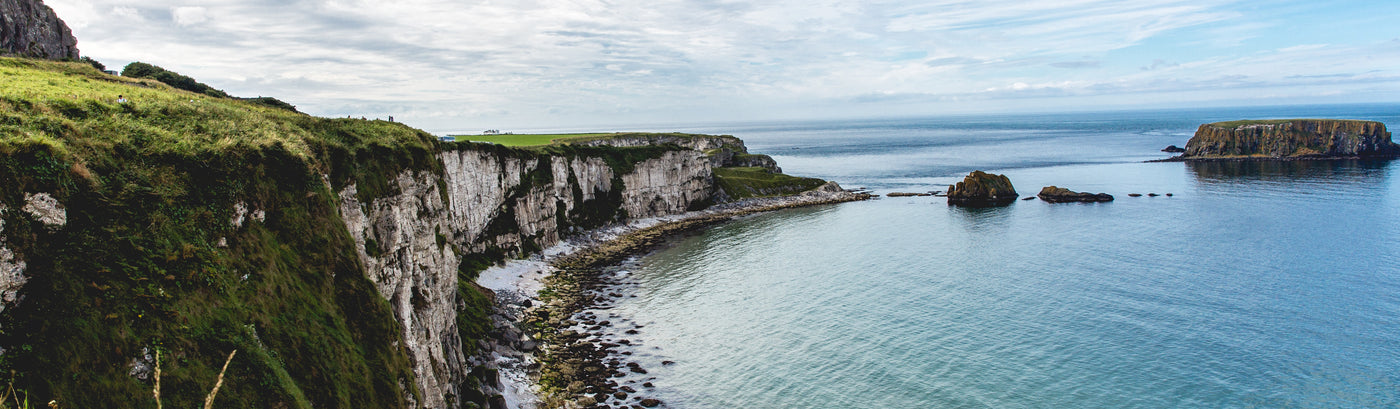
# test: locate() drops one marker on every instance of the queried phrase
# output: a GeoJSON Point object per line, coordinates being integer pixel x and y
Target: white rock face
{"type": "Point", "coordinates": [11, 270]}
{"type": "Point", "coordinates": [416, 275]}
{"type": "Point", "coordinates": [46, 209]}
{"type": "Point", "coordinates": [667, 185]}
{"type": "Point", "coordinates": [419, 277]}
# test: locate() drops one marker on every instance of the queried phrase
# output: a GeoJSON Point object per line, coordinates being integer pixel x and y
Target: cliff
{"type": "Point", "coordinates": [723, 150]}
{"type": "Point", "coordinates": [338, 256]}
{"type": "Point", "coordinates": [1292, 138]}
{"type": "Point", "coordinates": [496, 203]}
{"type": "Point", "coordinates": [31, 29]}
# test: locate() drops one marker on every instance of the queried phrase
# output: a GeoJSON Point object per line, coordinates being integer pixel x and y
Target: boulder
{"type": "Point", "coordinates": [981, 189]}
{"type": "Point", "coordinates": [1174, 149]}
{"type": "Point", "coordinates": [1055, 194]}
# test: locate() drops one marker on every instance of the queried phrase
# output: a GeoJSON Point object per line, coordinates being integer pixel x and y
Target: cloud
{"type": "Point", "coordinates": [188, 16]}
{"type": "Point", "coordinates": [1158, 64]}
{"type": "Point", "coordinates": [452, 63]}
{"type": "Point", "coordinates": [1076, 64]}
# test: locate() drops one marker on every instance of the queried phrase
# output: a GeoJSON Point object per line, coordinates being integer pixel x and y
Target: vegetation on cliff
{"type": "Point", "coordinates": [537, 140]}
{"type": "Point", "coordinates": [1291, 139]}
{"type": "Point", "coordinates": [197, 225]}
{"type": "Point", "coordinates": [150, 257]}
{"type": "Point", "coordinates": [746, 182]}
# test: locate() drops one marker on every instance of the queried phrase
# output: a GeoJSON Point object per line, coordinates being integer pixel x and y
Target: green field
{"type": "Point", "coordinates": [1248, 122]}
{"type": "Point", "coordinates": [526, 140]}
{"type": "Point", "coordinates": [747, 182]}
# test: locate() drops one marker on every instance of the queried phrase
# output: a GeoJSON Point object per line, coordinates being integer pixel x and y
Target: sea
{"type": "Point", "coordinates": [1253, 285]}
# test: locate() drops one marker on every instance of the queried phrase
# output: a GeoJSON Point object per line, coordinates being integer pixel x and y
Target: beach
{"type": "Point", "coordinates": [594, 279]}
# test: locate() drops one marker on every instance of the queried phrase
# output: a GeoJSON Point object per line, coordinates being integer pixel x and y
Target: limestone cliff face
{"type": "Point", "coordinates": [32, 29]}
{"type": "Point", "coordinates": [667, 185]}
{"type": "Point", "coordinates": [1298, 138]}
{"type": "Point", "coordinates": [412, 242]}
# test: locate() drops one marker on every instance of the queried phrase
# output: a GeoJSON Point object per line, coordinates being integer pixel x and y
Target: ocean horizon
{"type": "Point", "coordinates": [1254, 285]}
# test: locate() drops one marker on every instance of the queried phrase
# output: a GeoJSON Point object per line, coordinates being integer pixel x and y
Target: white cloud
{"type": "Point", "coordinates": [188, 16]}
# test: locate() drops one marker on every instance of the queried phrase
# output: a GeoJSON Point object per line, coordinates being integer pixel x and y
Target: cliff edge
{"type": "Point", "coordinates": [31, 29]}
{"type": "Point", "coordinates": [1291, 139]}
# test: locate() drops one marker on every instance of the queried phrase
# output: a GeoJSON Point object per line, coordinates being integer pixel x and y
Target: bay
{"type": "Point", "coordinates": [1256, 284]}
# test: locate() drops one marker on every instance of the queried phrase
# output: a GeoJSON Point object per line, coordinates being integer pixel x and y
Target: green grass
{"type": "Point", "coordinates": [1248, 122]}
{"type": "Point", "coordinates": [538, 140]}
{"type": "Point", "coordinates": [526, 139]}
{"type": "Point", "coordinates": [748, 182]}
{"type": "Point", "coordinates": [149, 187]}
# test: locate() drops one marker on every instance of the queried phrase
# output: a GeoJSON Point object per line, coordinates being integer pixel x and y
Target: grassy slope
{"type": "Point", "coordinates": [743, 183]}
{"type": "Point", "coordinates": [524, 139]}
{"type": "Point", "coordinates": [150, 187]}
{"type": "Point", "coordinates": [536, 140]}
{"type": "Point", "coordinates": [1246, 122]}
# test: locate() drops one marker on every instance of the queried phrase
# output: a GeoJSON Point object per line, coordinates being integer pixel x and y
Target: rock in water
{"type": "Point", "coordinates": [1291, 139]}
{"type": "Point", "coordinates": [980, 189]}
{"type": "Point", "coordinates": [1173, 149]}
{"type": "Point", "coordinates": [1054, 194]}
{"type": "Point", "coordinates": [31, 29]}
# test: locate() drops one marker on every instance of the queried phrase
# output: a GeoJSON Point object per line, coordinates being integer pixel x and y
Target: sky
{"type": "Point", "coordinates": [468, 66]}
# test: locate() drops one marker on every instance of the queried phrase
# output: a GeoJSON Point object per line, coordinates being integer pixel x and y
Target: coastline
{"type": "Point", "coordinates": [548, 349]}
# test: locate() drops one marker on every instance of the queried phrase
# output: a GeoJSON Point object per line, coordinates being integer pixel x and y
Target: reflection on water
{"type": "Point", "coordinates": [1246, 171]}
{"type": "Point", "coordinates": [983, 219]}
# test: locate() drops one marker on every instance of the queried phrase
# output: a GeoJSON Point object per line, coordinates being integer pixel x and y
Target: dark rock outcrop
{"type": "Point", "coordinates": [31, 29]}
{"type": "Point", "coordinates": [1055, 194]}
{"type": "Point", "coordinates": [1174, 149]}
{"type": "Point", "coordinates": [981, 189]}
{"type": "Point", "coordinates": [1291, 139]}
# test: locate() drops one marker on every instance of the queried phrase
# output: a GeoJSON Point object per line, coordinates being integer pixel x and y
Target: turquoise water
{"type": "Point", "coordinates": [1269, 285]}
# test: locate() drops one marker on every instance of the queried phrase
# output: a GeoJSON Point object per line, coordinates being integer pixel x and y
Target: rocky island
{"type": "Point", "coordinates": [981, 189]}
{"type": "Point", "coordinates": [1055, 194]}
{"type": "Point", "coordinates": [1288, 139]}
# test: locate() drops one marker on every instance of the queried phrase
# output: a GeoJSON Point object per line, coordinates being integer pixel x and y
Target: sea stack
{"type": "Point", "coordinates": [981, 189]}
{"type": "Point", "coordinates": [1291, 139]}
{"type": "Point", "coordinates": [1055, 194]}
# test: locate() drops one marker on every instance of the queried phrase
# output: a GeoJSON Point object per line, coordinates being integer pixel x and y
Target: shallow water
{"type": "Point", "coordinates": [1255, 285]}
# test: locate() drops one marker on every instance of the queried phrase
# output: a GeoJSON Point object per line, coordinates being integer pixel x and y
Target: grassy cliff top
{"type": "Point", "coordinates": [72, 107]}
{"type": "Point", "coordinates": [532, 140]}
{"type": "Point", "coordinates": [1250, 122]}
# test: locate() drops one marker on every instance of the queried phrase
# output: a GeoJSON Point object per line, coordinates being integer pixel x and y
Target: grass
{"type": "Point", "coordinates": [539, 140]}
{"type": "Point", "coordinates": [749, 182]}
{"type": "Point", "coordinates": [149, 187]}
{"type": "Point", "coordinates": [1248, 122]}
{"type": "Point", "coordinates": [526, 139]}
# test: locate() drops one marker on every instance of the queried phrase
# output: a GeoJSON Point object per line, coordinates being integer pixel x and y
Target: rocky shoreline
{"type": "Point", "coordinates": [552, 349]}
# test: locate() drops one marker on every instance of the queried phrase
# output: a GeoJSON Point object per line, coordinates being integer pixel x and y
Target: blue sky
{"type": "Point", "coordinates": [471, 65]}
